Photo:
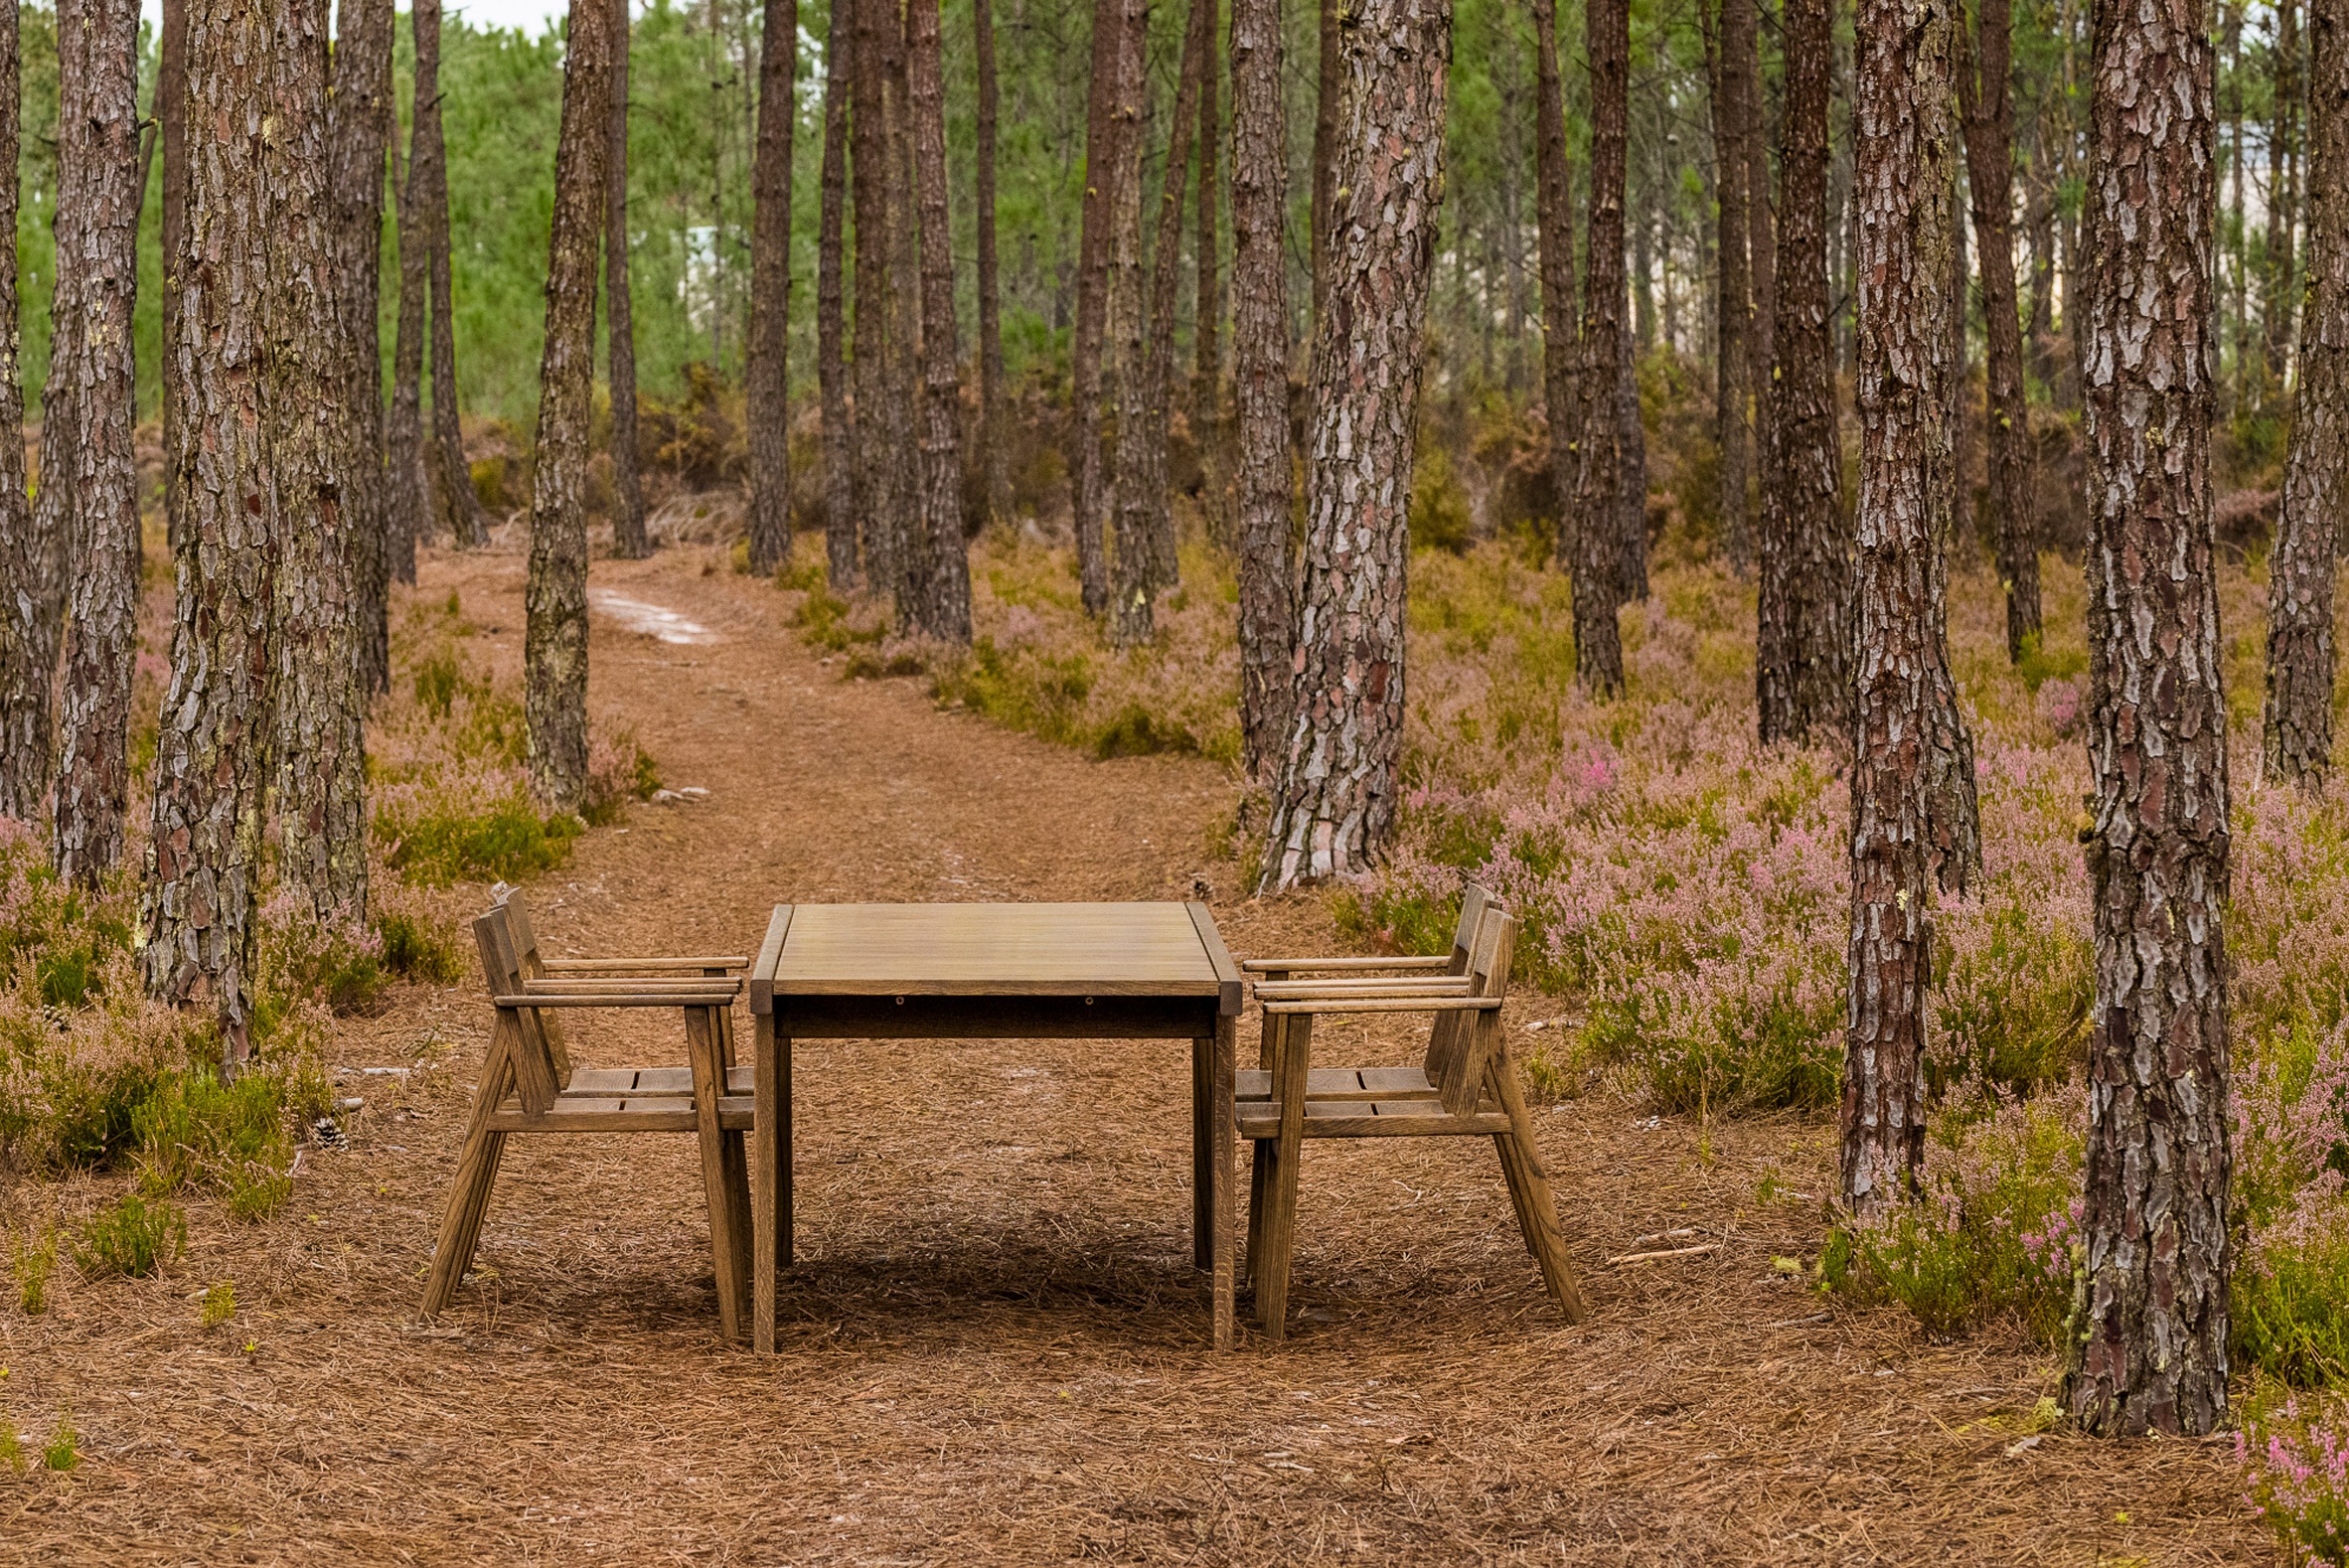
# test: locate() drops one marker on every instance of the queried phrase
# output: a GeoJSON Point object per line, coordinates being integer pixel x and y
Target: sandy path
{"type": "Point", "coordinates": [994, 1350]}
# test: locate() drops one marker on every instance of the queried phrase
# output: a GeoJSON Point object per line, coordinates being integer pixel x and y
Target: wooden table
{"type": "Point", "coordinates": [1136, 970]}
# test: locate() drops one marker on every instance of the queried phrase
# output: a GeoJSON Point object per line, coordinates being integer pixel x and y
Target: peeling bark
{"type": "Point", "coordinates": [406, 489]}
{"type": "Point", "coordinates": [1260, 385]}
{"type": "Point", "coordinates": [2148, 1342]}
{"type": "Point", "coordinates": [1598, 541]}
{"type": "Point", "coordinates": [1334, 804]}
{"type": "Point", "coordinates": [765, 372]}
{"type": "Point", "coordinates": [945, 608]}
{"type": "Point", "coordinates": [25, 569]}
{"type": "Point", "coordinates": [555, 647]}
{"type": "Point", "coordinates": [359, 133]}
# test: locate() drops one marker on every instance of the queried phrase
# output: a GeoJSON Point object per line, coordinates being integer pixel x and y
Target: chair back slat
{"type": "Point", "coordinates": [1461, 1084]}
{"type": "Point", "coordinates": [1473, 900]}
{"type": "Point", "coordinates": [531, 966]}
{"type": "Point", "coordinates": [537, 1078]}
{"type": "Point", "coordinates": [1443, 1036]}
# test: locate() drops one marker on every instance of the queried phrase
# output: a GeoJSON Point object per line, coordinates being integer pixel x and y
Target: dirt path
{"type": "Point", "coordinates": [994, 1351]}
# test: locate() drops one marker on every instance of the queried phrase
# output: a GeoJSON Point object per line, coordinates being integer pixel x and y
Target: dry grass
{"type": "Point", "coordinates": [995, 1344]}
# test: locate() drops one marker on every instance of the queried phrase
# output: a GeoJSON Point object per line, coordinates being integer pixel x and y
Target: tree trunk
{"type": "Point", "coordinates": [881, 427]}
{"type": "Point", "coordinates": [171, 115]}
{"type": "Point", "coordinates": [1762, 265]}
{"type": "Point", "coordinates": [905, 332]}
{"type": "Point", "coordinates": [628, 525]}
{"type": "Point", "coordinates": [2297, 725]}
{"type": "Point", "coordinates": [1129, 558]}
{"type": "Point", "coordinates": [36, 569]}
{"type": "Point", "coordinates": [1553, 212]}
{"type": "Point", "coordinates": [460, 507]}
{"type": "Point", "coordinates": [1260, 385]}
{"type": "Point", "coordinates": [96, 241]}
{"type": "Point", "coordinates": [1901, 102]}
{"type": "Point", "coordinates": [321, 766]}
{"type": "Point", "coordinates": [407, 490]}
{"type": "Point", "coordinates": [765, 368]}
{"type": "Point", "coordinates": [1334, 804]}
{"type": "Point", "coordinates": [992, 434]}
{"type": "Point", "coordinates": [25, 573]}
{"type": "Point", "coordinates": [946, 608]}
{"type": "Point", "coordinates": [555, 649]}
{"type": "Point", "coordinates": [1631, 503]}
{"type": "Point", "coordinates": [1733, 117]}
{"type": "Point", "coordinates": [359, 133]}
{"type": "Point", "coordinates": [832, 372]}
{"type": "Point", "coordinates": [1105, 135]}
{"type": "Point", "coordinates": [1598, 529]}
{"type": "Point", "coordinates": [1989, 169]}
{"type": "Point", "coordinates": [215, 751]}
{"type": "Point", "coordinates": [1328, 108]}
{"type": "Point", "coordinates": [2282, 198]}
{"type": "Point", "coordinates": [1145, 508]}
{"type": "Point", "coordinates": [1802, 664]}
{"type": "Point", "coordinates": [1206, 382]}
{"type": "Point", "coordinates": [2150, 1317]}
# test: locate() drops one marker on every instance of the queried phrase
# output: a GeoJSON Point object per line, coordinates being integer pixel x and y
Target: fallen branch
{"type": "Point", "coordinates": [1663, 1235]}
{"type": "Point", "coordinates": [1673, 1252]}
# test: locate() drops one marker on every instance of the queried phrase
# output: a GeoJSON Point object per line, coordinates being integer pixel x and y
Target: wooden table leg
{"type": "Point", "coordinates": [1220, 1137]}
{"type": "Point", "coordinates": [770, 1175]}
{"type": "Point", "coordinates": [1202, 1153]}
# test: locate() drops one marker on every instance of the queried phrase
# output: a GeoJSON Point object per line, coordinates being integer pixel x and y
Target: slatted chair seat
{"type": "Point", "coordinates": [529, 1086]}
{"type": "Point", "coordinates": [1467, 1087]}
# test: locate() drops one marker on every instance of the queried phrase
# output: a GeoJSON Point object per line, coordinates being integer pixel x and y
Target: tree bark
{"type": "Point", "coordinates": [1260, 385]}
{"type": "Point", "coordinates": [2296, 726]}
{"type": "Point", "coordinates": [460, 507]}
{"type": "Point", "coordinates": [555, 647]}
{"type": "Point", "coordinates": [1334, 804]}
{"type": "Point", "coordinates": [406, 489]}
{"type": "Point", "coordinates": [1762, 265]}
{"type": "Point", "coordinates": [1733, 117]}
{"type": "Point", "coordinates": [1631, 503]}
{"type": "Point", "coordinates": [314, 452]}
{"type": "Point", "coordinates": [96, 241]}
{"type": "Point", "coordinates": [1598, 529]}
{"type": "Point", "coordinates": [946, 608]}
{"type": "Point", "coordinates": [880, 432]}
{"type": "Point", "coordinates": [1901, 117]}
{"type": "Point", "coordinates": [765, 369]}
{"type": "Point", "coordinates": [831, 369]}
{"type": "Point", "coordinates": [992, 434]}
{"type": "Point", "coordinates": [2148, 1349]}
{"type": "Point", "coordinates": [1802, 664]}
{"type": "Point", "coordinates": [171, 116]}
{"type": "Point", "coordinates": [1553, 211]}
{"type": "Point", "coordinates": [1206, 383]}
{"type": "Point", "coordinates": [1330, 66]}
{"type": "Point", "coordinates": [1128, 331]}
{"type": "Point", "coordinates": [25, 571]}
{"type": "Point", "coordinates": [1105, 137]}
{"type": "Point", "coordinates": [358, 134]}
{"type": "Point", "coordinates": [629, 541]}
{"type": "Point", "coordinates": [905, 331]}
{"type": "Point", "coordinates": [2283, 199]}
{"type": "Point", "coordinates": [215, 751]}
{"type": "Point", "coordinates": [1989, 171]}
{"type": "Point", "coordinates": [1145, 508]}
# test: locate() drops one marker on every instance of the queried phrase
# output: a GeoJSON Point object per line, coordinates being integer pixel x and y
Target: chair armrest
{"type": "Point", "coordinates": [592, 966]}
{"type": "Point", "coordinates": [1339, 989]}
{"type": "Point", "coordinates": [1391, 1004]}
{"type": "Point", "coordinates": [617, 999]}
{"type": "Point", "coordinates": [1259, 964]}
{"type": "Point", "coordinates": [659, 985]}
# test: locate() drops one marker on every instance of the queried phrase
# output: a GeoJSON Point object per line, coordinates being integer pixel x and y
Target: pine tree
{"type": "Point", "coordinates": [24, 568]}
{"type": "Point", "coordinates": [1598, 541]}
{"type": "Point", "coordinates": [1730, 53]}
{"type": "Point", "coordinates": [1260, 385]}
{"type": "Point", "coordinates": [358, 134]}
{"type": "Point", "coordinates": [993, 434]}
{"type": "Point", "coordinates": [945, 608]}
{"type": "Point", "coordinates": [407, 513]}
{"type": "Point", "coordinates": [765, 372]}
{"type": "Point", "coordinates": [831, 368]}
{"type": "Point", "coordinates": [628, 520]}
{"type": "Point", "coordinates": [880, 432]}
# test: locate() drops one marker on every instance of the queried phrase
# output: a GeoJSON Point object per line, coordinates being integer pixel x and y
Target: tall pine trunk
{"type": "Point", "coordinates": [629, 541]}
{"type": "Point", "coordinates": [1260, 384]}
{"type": "Point", "coordinates": [831, 369]}
{"type": "Point", "coordinates": [1553, 211]}
{"type": "Point", "coordinates": [1145, 508]}
{"type": "Point", "coordinates": [1598, 530]}
{"type": "Point", "coordinates": [1328, 114]}
{"type": "Point", "coordinates": [24, 572]}
{"type": "Point", "coordinates": [1903, 183]}
{"type": "Point", "coordinates": [2296, 726]}
{"type": "Point", "coordinates": [554, 648]}
{"type": "Point", "coordinates": [1762, 269]}
{"type": "Point", "coordinates": [1207, 377]}
{"type": "Point", "coordinates": [906, 474]}
{"type": "Point", "coordinates": [171, 116]}
{"type": "Point", "coordinates": [1989, 171]}
{"type": "Point", "coordinates": [1631, 499]}
{"type": "Point", "coordinates": [992, 434]}
{"type": "Point", "coordinates": [766, 364]}
{"type": "Point", "coordinates": [358, 135]}
{"type": "Point", "coordinates": [320, 704]}
{"type": "Point", "coordinates": [879, 429]}
{"type": "Point", "coordinates": [946, 607]}
{"type": "Point", "coordinates": [1334, 804]}
{"type": "Point", "coordinates": [2283, 199]}
{"type": "Point", "coordinates": [2149, 1350]}
{"type": "Point", "coordinates": [407, 490]}
{"type": "Point", "coordinates": [1733, 53]}
{"type": "Point", "coordinates": [96, 243]}
{"type": "Point", "coordinates": [452, 474]}
{"type": "Point", "coordinates": [1105, 136]}
{"type": "Point", "coordinates": [1802, 663]}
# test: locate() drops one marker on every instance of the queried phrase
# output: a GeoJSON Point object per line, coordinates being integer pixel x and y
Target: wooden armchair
{"type": "Point", "coordinates": [1466, 1086]}
{"type": "Point", "coordinates": [529, 1086]}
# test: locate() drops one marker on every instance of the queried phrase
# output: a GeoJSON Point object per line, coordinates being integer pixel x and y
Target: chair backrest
{"type": "Point", "coordinates": [534, 1044]}
{"type": "Point", "coordinates": [1472, 901]}
{"type": "Point", "coordinates": [1460, 1043]}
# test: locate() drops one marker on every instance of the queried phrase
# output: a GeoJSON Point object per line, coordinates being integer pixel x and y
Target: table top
{"type": "Point", "coordinates": [995, 950]}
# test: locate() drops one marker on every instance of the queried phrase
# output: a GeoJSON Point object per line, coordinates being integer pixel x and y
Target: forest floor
{"type": "Point", "coordinates": [993, 1348]}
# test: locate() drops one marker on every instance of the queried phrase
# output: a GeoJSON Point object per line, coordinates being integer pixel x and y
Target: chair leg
{"type": "Point", "coordinates": [477, 1174]}
{"type": "Point", "coordinates": [1261, 1154]}
{"type": "Point", "coordinates": [729, 1240]}
{"type": "Point", "coordinates": [1293, 1063]}
{"type": "Point", "coordinates": [1529, 1187]}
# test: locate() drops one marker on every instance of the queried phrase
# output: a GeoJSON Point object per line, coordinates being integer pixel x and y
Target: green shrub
{"type": "Point", "coordinates": [61, 1454]}
{"type": "Point", "coordinates": [220, 1303]}
{"type": "Point", "coordinates": [135, 1237]}
{"type": "Point", "coordinates": [415, 948]}
{"type": "Point", "coordinates": [2290, 1310]}
{"type": "Point", "coordinates": [194, 1132]}
{"type": "Point", "coordinates": [439, 677]}
{"type": "Point", "coordinates": [12, 1447]}
{"type": "Point", "coordinates": [35, 1261]}
{"type": "Point", "coordinates": [93, 1109]}
{"type": "Point", "coordinates": [436, 838]}
{"type": "Point", "coordinates": [828, 623]}
{"type": "Point", "coordinates": [1439, 517]}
